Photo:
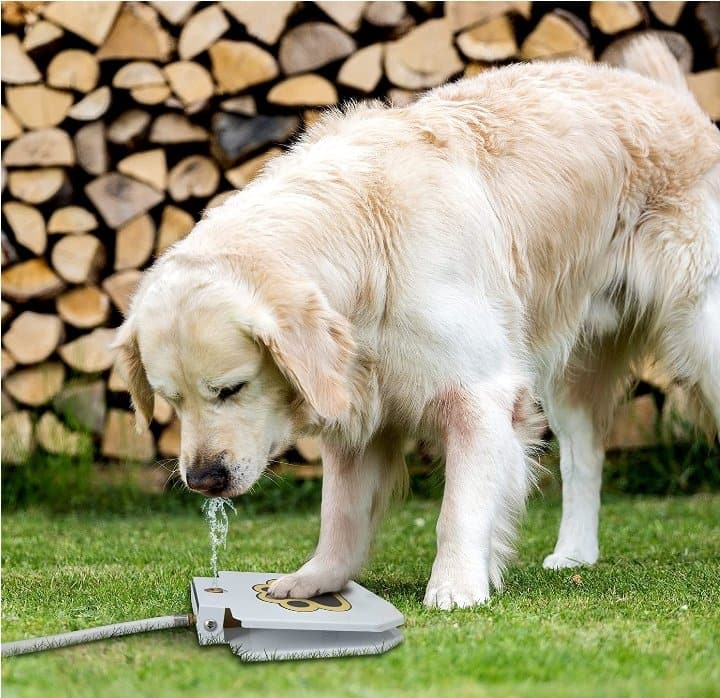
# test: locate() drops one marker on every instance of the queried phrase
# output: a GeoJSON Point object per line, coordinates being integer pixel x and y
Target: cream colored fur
{"type": "Point", "coordinates": [425, 271]}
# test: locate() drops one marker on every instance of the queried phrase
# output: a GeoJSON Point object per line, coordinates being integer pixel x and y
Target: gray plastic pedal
{"type": "Point", "coordinates": [235, 609]}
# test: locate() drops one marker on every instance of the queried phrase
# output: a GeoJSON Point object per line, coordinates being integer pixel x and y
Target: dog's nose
{"type": "Point", "coordinates": [211, 480]}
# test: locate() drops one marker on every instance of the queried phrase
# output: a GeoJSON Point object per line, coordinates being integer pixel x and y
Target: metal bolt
{"type": "Point", "coordinates": [210, 625]}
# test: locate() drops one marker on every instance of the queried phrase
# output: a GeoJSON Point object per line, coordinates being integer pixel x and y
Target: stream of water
{"type": "Point", "coordinates": [217, 518]}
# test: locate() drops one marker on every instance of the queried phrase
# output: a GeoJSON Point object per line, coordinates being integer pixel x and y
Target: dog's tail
{"type": "Point", "coordinates": [649, 55]}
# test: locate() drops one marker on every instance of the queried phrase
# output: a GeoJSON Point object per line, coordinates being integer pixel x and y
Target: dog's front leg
{"type": "Point", "coordinates": [486, 480]}
{"type": "Point", "coordinates": [352, 493]}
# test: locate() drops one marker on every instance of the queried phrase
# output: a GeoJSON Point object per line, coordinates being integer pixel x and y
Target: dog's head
{"type": "Point", "coordinates": [249, 357]}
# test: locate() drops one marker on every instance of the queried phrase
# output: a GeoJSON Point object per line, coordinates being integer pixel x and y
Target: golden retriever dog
{"type": "Point", "coordinates": [531, 233]}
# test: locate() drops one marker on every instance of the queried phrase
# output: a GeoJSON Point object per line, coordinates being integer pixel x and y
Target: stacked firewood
{"type": "Point", "coordinates": [122, 121]}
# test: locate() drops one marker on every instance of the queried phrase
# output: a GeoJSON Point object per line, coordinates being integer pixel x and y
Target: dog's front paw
{"type": "Point", "coordinates": [561, 561]}
{"type": "Point", "coordinates": [297, 586]}
{"type": "Point", "coordinates": [310, 580]}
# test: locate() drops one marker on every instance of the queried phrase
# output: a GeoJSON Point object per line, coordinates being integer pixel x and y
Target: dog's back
{"type": "Point", "coordinates": [605, 180]}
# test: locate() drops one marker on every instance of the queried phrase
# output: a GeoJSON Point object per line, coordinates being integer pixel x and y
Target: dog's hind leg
{"type": "Point", "coordinates": [695, 355]}
{"type": "Point", "coordinates": [687, 292]}
{"type": "Point", "coordinates": [581, 462]}
{"type": "Point", "coordinates": [709, 380]}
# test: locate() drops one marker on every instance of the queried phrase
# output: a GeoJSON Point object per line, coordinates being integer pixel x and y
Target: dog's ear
{"type": "Point", "coordinates": [312, 345]}
{"type": "Point", "coordinates": [131, 368]}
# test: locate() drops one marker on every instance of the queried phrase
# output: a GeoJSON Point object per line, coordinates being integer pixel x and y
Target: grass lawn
{"type": "Point", "coordinates": [645, 621]}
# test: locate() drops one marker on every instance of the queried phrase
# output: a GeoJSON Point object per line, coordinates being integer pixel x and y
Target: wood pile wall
{"type": "Point", "coordinates": [122, 121]}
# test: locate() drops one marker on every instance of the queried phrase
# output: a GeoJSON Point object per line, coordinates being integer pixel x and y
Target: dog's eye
{"type": "Point", "coordinates": [225, 393]}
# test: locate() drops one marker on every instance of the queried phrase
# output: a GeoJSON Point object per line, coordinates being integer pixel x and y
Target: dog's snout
{"type": "Point", "coordinates": [212, 480]}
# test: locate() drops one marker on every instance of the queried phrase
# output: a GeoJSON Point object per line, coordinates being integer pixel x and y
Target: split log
{"type": "Point", "coordinates": [7, 311]}
{"type": "Point", "coordinates": [174, 11]}
{"type": "Point", "coordinates": [10, 128]}
{"type": "Point", "coordinates": [391, 13]}
{"type": "Point", "coordinates": [20, 13]}
{"type": "Point", "coordinates": [33, 337]}
{"type": "Point", "coordinates": [28, 280]}
{"type": "Point", "coordinates": [17, 67]}
{"type": "Point", "coordinates": [218, 199]}
{"type": "Point", "coordinates": [634, 424]}
{"type": "Point", "coordinates": [162, 410]}
{"type": "Point", "coordinates": [462, 15]}
{"type": "Point", "coordinates": [119, 198]}
{"type": "Point", "coordinates": [121, 440]}
{"type": "Point", "coordinates": [7, 363]}
{"type": "Point", "coordinates": [263, 20]}
{"type": "Point", "coordinates": [137, 33]}
{"type": "Point", "coordinates": [17, 438]}
{"type": "Point", "coordinates": [27, 224]}
{"type": "Point", "coordinates": [237, 65]}
{"type": "Point", "coordinates": [195, 175]}
{"type": "Point", "coordinates": [148, 167]}
{"type": "Point", "coordinates": [41, 35]}
{"type": "Point", "coordinates": [169, 441]}
{"type": "Point", "coordinates": [91, 148]}
{"type": "Point", "coordinates": [78, 258]}
{"type": "Point", "coordinates": [116, 382]}
{"type": "Point", "coordinates": [128, 127]}
{"type": "Point", "coordinates": [242, 175]}
{"type": "Point", "coordinates": [189, 81]}
{"type": "Point", "coordinates": [54, 437]}
{"type": "Point", "coordinates": [37, 186]}
{"type": "Point", "coordinates": [708, 17]}
{"type": "Point", "coordinates": [9, 253]}
{"type": "Point", "coordinates": [90, 20]}
{"type": "Point", "coordinates": [312, 45]}
{"type": "Point", "coordinates": [92, 106]}
{"type": "Point", "coordinates": [706, 88]}
{"type": "Point", "coordinates": [679, 46]}
{"type": "Point", "coordinates": [72, 220]}
{"type": "Point", "coordinates": [74, 69]}
{"type": "Point", "coordinates": [667, 12]}
{"type": "Point", "coordinates": [309, 448]}
{"type": "Point", "coordinates": [84, 307]}
{"type": "Point", "coordinates": [83, 404]}
{"type": "Point", "coordinates": [7, 404]}
{"type": "Point", "coordinates": [37, 385]}
{"type": "Point", "coordinates": [201, 31]}
{"type": "Point", "coordinates": [492, 41]}
{"type": "Point", "coordinates": [150, 94]}
{"type": "Point", "coordinates": [176, 128]}
{"type": "Point", "coordinates": [48, 146]}
{"type": "Point", "coordinates": [348, 14]}
{"type": "Point", "coordinates": [556, 37]}
{"type": "Point", "coordinates": [363, 70]}
{"type": "Point", "coordinates": [174, 225]}
{"type": "Point", "coordinates": [90, 353]}
{"type": "Point", "coordinates": [240, 105]}
{"type": "Point", "coordinates": [37, 106]}
{"type": "Point", "coordinates": [424, 57]}
{"type": "Point", "coordinates": [138, 74]}
{"type": "Point", "coordinates": [614, 17]}
{"type": "Point", "coordinates": [120, 286]}
{"type": "Point", "coordinates": [234, 137]}
{"type": "Point", "coordinates": [303, 90]}
{"type": "Point", "coordinates": [134, 243]}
